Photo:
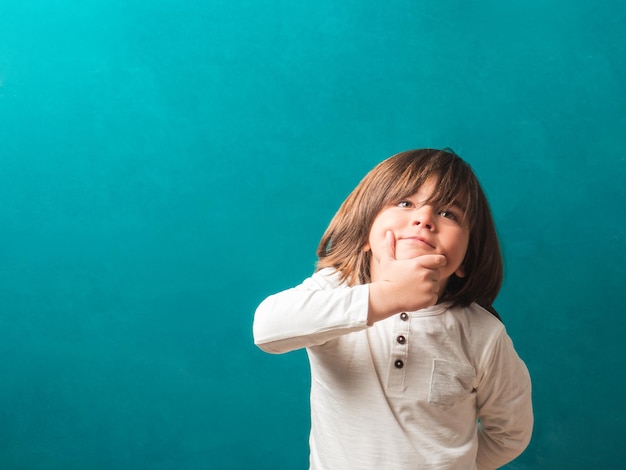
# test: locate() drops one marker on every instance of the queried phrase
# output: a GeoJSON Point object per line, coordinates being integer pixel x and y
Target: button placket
{"type": "Point", "coordinates": [399, 352]}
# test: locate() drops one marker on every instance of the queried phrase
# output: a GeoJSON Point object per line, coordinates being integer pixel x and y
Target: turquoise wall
{"type": "Point", "coordinates": [165, 165]}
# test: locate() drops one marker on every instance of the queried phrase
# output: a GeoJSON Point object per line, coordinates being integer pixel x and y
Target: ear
{"type": "Point", "coordinates": [366, 247]}
{"type": "Point", "coordinates": [460, 272]}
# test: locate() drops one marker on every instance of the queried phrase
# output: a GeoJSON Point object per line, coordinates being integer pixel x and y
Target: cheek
{"type": "Point", "coordinates": [461, 255]}
{"type": "Point", "coordinates": [367, 246]}
{"type": "Point", "coordinates": [373, 235]}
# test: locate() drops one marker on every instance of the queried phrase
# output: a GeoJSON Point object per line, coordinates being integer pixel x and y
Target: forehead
{"type": "Point", "coordinates": [426, 190]}
{"type": "Point", "coordinates": [435, 191]}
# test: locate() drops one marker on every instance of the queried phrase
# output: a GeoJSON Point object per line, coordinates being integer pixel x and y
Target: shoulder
{"type": "Point", "coordinates": [493, 311]}
{"type": "Point", "coordinates": [489, 338]}
{"type": "Point", "coordinates": [478, 313]}
{"type": "Point", "coordinates": [479, 322]}
{"type": "Point", "coordinates": [488, 315]}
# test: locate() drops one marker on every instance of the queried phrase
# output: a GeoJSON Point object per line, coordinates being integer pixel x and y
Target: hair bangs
{"type": "Point", "coordinates": [456, 184]}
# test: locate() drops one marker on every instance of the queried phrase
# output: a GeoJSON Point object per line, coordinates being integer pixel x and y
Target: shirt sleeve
{"type": "Point", "coordinates": [310, 314]}
{"type": "Point", "coordinates": [504, 406]}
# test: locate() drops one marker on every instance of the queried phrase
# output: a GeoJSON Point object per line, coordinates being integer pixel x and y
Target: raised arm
{"type": "Point", "coordinates": [310, 314]}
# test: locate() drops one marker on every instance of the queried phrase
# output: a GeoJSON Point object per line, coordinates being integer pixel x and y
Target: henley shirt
{"type": "Point", "coordinates": [438, 388]}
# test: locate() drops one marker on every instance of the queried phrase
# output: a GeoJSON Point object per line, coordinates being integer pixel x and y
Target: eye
{"type": "Point", "coordinates": [448, 214]}
{"type": "Point", "coordinates": [405, 204]}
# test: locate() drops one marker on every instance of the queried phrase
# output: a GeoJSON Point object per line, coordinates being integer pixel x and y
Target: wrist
{"type": "Point", "coordinates": [381, 303]}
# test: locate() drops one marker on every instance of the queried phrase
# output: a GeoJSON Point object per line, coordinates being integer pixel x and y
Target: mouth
{"type": "Point", "coordinates": [418, 241]}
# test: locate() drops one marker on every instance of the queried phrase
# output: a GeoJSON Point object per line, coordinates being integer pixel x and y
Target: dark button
{"type": "Point", "coordinates": [401, 339]}
{"type": "Point", "coordinates": [399, 364]}
{"type": "Point", "coordinates": [404, 316]}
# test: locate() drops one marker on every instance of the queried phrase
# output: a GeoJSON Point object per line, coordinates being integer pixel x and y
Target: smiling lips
{"type": "Point", "coordinates": [418, 241]}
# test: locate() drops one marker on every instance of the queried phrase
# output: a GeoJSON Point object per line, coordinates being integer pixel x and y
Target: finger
{"type": "Point", "coordinates": [389, 246]}
{"type": "Point", "coordinates": [432, 261]}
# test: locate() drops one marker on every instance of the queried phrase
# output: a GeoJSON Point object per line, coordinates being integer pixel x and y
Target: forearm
{"type": "Point", "coordinates": [499, 446]}
{"type": "Point", "coordinates": [299, 318]}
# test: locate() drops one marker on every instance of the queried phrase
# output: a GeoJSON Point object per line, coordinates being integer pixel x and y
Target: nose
{"type": "Point", "coordinates": [424, 216]}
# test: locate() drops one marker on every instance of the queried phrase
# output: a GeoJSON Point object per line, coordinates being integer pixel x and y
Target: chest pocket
{"type": "Point", "coordinates": [450, 383]}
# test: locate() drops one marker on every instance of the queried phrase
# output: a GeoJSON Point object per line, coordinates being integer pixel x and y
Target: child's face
{"type": "Point", "coordinates": [421, 229]}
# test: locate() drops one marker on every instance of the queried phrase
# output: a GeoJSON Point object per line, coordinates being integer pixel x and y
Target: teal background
{"type": "Point", "coordinates": [165, 165]}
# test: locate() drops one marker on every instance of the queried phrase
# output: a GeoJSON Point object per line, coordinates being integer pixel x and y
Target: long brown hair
{"type": "Point", "coordinates": [398, 177]}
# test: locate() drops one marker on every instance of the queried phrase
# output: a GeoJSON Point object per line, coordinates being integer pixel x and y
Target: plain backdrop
{"type": "Point", "coordinates": [165, 165]}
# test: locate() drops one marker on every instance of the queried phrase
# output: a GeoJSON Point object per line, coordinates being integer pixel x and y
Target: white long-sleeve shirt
{"type": "Point", "coordinates": [407, 392]}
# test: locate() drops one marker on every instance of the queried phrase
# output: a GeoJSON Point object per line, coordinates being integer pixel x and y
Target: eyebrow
{"type": "Point", "coordinates": [450, 203]}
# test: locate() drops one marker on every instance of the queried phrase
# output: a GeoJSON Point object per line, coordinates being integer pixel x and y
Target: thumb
{"type": "Point", "coordinates": [389, 247]}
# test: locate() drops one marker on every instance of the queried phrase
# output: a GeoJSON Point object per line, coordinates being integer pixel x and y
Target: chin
{"type": "Point", "coordinates": [411, 253]}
